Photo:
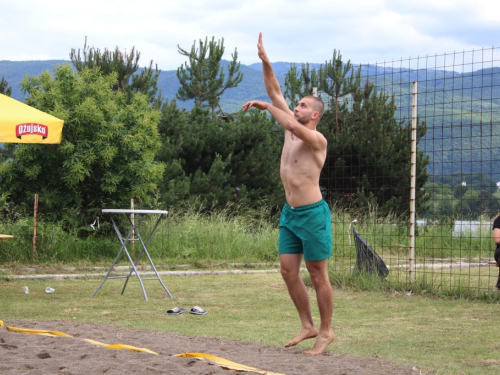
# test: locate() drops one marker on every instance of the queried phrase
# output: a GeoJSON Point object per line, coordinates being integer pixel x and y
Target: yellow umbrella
{"type": "Point", "coordinates": [20, 123]}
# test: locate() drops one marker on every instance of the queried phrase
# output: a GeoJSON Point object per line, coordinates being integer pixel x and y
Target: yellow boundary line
{"type": "Point", "coordinates": [224, 363]}
{"type": "Point", "coordinates": [57, 333]}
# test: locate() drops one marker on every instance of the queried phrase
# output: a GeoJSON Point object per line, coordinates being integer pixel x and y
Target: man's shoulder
{"type": "Point", "coordinates": [322, 138]}
{"type": "Point", "coordinates": [320, 132]}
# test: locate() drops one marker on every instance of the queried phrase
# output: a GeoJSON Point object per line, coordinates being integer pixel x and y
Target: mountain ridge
{"type": "Point", "coordinates": [449, 149]}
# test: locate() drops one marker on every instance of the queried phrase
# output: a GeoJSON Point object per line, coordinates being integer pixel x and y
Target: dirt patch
{"type": "Point", "coordinates": [35, 354]}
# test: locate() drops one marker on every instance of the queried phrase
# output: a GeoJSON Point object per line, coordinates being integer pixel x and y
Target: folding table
{"type": "Point", "coordinates": [137, 238]}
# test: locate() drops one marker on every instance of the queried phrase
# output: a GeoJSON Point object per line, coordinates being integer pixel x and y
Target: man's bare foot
{"type": "Point", "coordinates": [304, 334]}
{"type": "Point", "coordinates": [321, 343]}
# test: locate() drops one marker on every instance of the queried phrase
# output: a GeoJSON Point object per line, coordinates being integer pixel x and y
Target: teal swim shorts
{"type": "Point", "coordinates": [306, 230]}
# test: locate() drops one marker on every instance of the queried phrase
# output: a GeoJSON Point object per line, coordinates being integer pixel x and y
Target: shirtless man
{"type": "Point", "coordinates": [305, 223]}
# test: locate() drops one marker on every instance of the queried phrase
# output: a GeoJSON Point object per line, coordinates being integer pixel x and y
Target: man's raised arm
{"type": "Point", "coordinates": [273, 88]}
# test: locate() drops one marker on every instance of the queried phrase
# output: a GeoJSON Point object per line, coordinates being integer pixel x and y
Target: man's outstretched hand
{"type": "Point", "coordinates": [262, 51]}
{"type": "Point", "coordinates": [256, 104]}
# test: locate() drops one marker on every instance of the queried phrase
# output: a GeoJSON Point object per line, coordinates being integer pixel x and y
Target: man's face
{"type": "Point", "coordinates": [304, 111]}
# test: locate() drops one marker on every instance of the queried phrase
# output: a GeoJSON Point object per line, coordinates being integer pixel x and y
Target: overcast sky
{"type": "Point", "coordinates": [365, 31]}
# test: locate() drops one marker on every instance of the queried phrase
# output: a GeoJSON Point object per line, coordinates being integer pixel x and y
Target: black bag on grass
{"type": "Point", "coordinates": [367, 259]}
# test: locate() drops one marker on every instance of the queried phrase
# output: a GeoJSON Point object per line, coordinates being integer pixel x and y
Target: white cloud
{"type": "Point", "coordinates": [298, 31]}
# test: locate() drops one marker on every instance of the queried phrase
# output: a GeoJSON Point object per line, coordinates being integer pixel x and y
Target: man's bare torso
{"type": "Point", "coordinates": [300, 170]}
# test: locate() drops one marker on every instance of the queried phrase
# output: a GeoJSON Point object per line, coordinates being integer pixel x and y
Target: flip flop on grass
{"type": "Point", "coordinates": [175, 311]}
{"type": "Point", "coordinates": [197, 310]}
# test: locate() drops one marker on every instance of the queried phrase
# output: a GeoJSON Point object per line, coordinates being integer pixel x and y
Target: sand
{"type": "Point", "coordinates": [22, 353]}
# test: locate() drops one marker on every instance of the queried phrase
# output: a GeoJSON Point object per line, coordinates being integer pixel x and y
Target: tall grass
{"type": "Point", "coordinates": [192, 236]}
{"type": "Point", "coordinates": [53, 244]}
{"type": "Point", "coordinates": [201, 238]}
{"type": "Point", "coordinates": [234, 234]}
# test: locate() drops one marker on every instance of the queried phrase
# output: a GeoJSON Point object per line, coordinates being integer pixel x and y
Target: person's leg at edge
{"type": "Point", "coordinates": [290, 271]}
{"type": "Point", "coordinates": [497, 259]}
{"type": "Point", "coordinates": [324, 295]}
{"type": "Point", "coordinates": [497, 286]}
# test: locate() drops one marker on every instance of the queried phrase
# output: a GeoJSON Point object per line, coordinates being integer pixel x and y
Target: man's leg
{"type": "Point", "coordinates": [290, 270]}
{"type": "Point", "coordinates": [324, 295]}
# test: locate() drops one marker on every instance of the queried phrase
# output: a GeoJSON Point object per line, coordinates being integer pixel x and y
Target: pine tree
{"type": "Point", "coordinates": [368, 156]}
{"type": "Point", "coordinates": [203, 78]}
{"type": "Point", "coordinates": [337, 81]}
{"type": "Point", "coordinates": [212, 162]}
{"type": "Point", "coordinates": [299, 85]}
{"type": "Point", "coordinates": [124, 65]}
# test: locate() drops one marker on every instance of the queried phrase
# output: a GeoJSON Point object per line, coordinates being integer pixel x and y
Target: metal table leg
{"type": "Point", "coordinates": [122, 249]}
{"type": "Point", "coordinates": [124, 241]}
{"type": "Point", "coordinates": [145, 251]}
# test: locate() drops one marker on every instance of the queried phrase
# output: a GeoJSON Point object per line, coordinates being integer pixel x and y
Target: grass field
{"type": "Point", "coordinates": [432, 334]}
{"type": "Point", "coordinates": [445, 325]}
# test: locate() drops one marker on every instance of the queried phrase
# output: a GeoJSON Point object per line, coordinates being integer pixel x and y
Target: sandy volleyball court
{"type": "Point", "coordinates": [22, 353]}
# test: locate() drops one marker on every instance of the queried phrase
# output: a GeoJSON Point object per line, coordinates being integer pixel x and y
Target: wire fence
{"type": "Point", "coordinates": [458, 101]}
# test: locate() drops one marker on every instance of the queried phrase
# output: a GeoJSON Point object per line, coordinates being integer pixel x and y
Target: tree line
{"type": "Point", "coordinates": [122, 140]}
{"type": "Point", "coordinates": [466, 196]}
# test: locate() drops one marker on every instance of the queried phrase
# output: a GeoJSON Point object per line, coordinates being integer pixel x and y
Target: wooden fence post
{"type": "Point", "coordinates": [35, 225]}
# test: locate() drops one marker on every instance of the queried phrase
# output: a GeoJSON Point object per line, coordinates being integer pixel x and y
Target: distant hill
{"type": "Point", "coordinates": [468, 101]}
{"type": "Point", "coordinates": [281, 68]}
{"type": "Point", "coordinates": [14, 72]}
{"type": "Point", "coordinates": [252, 86]}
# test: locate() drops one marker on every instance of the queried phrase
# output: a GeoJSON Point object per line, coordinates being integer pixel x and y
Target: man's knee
{"type": "Point", "coordinates": [319, 279]}
{"type": "Point", "coordinates": [290, 265]}
{"type": "Point", "coordinates": [289, 273]}
{"type": "Point", "coordinates": [318, 272]}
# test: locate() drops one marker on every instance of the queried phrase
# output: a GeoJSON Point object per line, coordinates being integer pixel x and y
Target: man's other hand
{"type": "Point", "coordinates": [256, 104]}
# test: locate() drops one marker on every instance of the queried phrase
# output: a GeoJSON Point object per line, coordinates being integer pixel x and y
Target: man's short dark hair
{"type": "Point", "coordinates": [317, 104]}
